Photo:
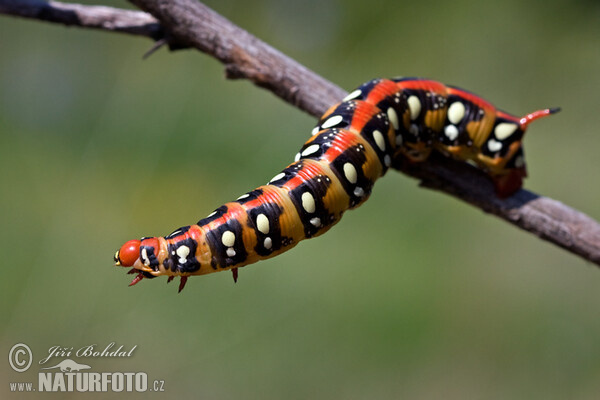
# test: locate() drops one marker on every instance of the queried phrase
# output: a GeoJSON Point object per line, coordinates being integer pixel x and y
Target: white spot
{"type": "Point", "coordinates": [243, 196]}
{"type": "Point", "coordinates": [359, 192]}
{"type": "Point", "coordinates": [315, 130]}
{"type": "Point", "coordinates": [145, 258]}
{"type": "Point", "coordinates": [414, 129]}
{"type": "Point", "coordinates": [519, 162]}
{"type": "Point", "coordinates": [262, 223]}
{"type": "Point", "coordinates": [393, 117]}
{"type": "Point", "coordinates": [414, 105]}
{"type": "Point", "coordinates": [353, 95]}
{"type": "Point", "coordinates": [211, 214]}
{"type": "Point", "coordinates": [504, 130]}
{"type": "Point", "coordinates": [308, 202]}
{"type": "Point", "coordinates": [230, 252]}
{"type": "Point", "coordinates": [277, 177]}
{"type": "Point", "coordinates": [268, 243]}
{"type": "Point", "coordinates": [315, 222]}
{"type": "Point", "coordinates": [313, 148]}
{"type": "Point", "coordinates": [494, 145]}
{"type": "Point", "coordinates": [350, 172]}
{"type": "Point", "coordinates": [297, 157]}
{"type": "Point", "coordinates": [183, 252]}
{"type": "Point", "coordinates": [399, 140]}
{"type": "Point", "coordinates": [451, 132]}
{"type": "Point", "coordinates": [332, 121]}
{"type": "Point", "coordinates": [456, 112]}
{"type": "Point", "coordinates": [379, 139]}
{"type": "Point", "coordinates": [228, 238]}
{"type": "Point", "coordinates": [387, 160]}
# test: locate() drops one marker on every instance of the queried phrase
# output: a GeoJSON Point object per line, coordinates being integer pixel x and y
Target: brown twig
{"type": "Point", "coordinates": [189, 23]}
{"type": "Point", "coordinates": [244, 56]}
{"type": "Point", "coordinates": [95, 17]}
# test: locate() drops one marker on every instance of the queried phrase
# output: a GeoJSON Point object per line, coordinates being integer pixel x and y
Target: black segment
{"type": "Point", "coordinates": [220, 254]}
{"type": "Point", "coordinates": [320, 217]}
{"type": "Point", "coordinates": [147, 255]}
{"type": "Point", "coordinates": [253, 195]}
{"type": "Point", "coordinates": [179, 261]}
{"type": "Point", "coordinates": [323, 140]}
{"type": "Point", "coordinates": [344, 109]}
{"type": "Point", "coordinates": [288, 174]}
{"type": "Point", "coordinates": [218, 213]}
{"type": "Point", "coordinates": [361, 189]}
{"type": "Point", "coordinates": [367, 133]}
{"type": "Point", "coordinates": [366, 88]}
{"type": "Point", "coordinates": [472, 113]}
{"type": "Point", "coordinates": [177, 232]}
{"type": "Point", "coordinates": [506, 142]}
{"type": "Point", "coordinates": [407, 78]}
{"type": "Point", "coordinates": [271, 241]}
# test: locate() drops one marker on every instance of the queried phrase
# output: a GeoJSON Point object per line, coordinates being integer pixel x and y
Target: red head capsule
{"type": "Point", "coordinates": [128, 253]}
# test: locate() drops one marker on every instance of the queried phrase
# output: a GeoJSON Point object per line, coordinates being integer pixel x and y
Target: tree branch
{"type": "Point", "coordinates": [189, 23]}
{"type": "Point", "coordinates": [245, 57]}
{"type": "Point", "coordinates": [546, 218]}
{"type": "Point", "coordinates": [95, 17]}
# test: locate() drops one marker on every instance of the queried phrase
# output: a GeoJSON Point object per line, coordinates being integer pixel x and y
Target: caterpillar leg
{"type": "Point", "coordinates": [182, 283]}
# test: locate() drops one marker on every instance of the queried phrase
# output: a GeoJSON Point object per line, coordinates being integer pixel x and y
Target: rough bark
{"type": "Point", "coordinates": [95, 17]}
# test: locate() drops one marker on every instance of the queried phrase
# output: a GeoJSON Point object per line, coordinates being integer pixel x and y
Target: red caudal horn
{"type": "Point", "coordinates": [527, 119]}
{"type": "Point", "coordinates": [128, 253]}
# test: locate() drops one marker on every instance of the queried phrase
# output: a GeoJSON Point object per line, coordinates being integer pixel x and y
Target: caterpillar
{"type": "Point", "coordinates": [353, 144]}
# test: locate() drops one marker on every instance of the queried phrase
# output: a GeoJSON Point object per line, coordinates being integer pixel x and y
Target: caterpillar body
{"type": "Point", "coordinates": [354, 143]}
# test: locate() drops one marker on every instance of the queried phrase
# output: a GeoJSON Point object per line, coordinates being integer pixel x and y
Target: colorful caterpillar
{"type": "Point", "coordinates": [353, 144]}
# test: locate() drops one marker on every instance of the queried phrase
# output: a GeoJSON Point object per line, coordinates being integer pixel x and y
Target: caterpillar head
{"type": "Point", "coordinates": [142, 256]}
{"type": "Point", "coordinates": [128, 254]}
{"type": "Point", "coordinates": [508, 171]}
{"type": "Point", "coordinates": [136, 254]}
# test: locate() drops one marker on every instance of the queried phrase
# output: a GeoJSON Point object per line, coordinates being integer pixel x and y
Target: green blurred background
{"type": "Point", "coordinates": [414, 295]}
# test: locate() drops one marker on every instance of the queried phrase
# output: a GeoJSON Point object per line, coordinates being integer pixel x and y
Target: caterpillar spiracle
{"type": "Point", "coordinates": [354, 143]}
